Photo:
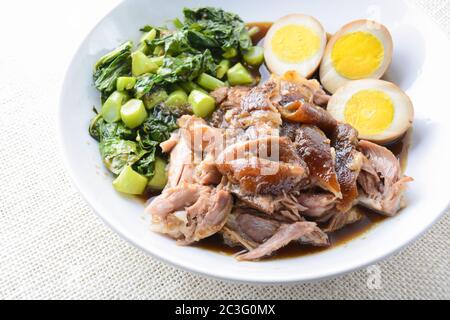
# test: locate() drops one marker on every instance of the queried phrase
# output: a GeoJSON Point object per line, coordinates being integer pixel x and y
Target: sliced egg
{"type": "Point", "coordinates": [295, 42]}
{"type": "Point", "coordinates": [361, 49]}
{"type": "Point", "coordinates": [379, 110]}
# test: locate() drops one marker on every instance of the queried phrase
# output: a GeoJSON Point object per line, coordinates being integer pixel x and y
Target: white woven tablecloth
{"type": "Point", "coordinates": [53, 246]}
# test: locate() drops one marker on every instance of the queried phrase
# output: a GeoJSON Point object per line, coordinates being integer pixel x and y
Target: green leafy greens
{"type": "Point", "coordinates": [111, 66]}
{"type": "Point", "coordinates": [118, 153]}
{"type": "Point", "coordinates": [184, 67]}
{"type": "Point", "coordinates": [121, 146]}
{"type": "Point", "coordinates": [157, 127]}
{"type": "Point", "coordinates": [196, 46]}
{"type": "Point", "coordinates": [212, 25]}
{"type": "Point", "coordinates": [101, 130]}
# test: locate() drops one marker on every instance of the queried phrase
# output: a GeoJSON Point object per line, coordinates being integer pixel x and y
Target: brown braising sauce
{"type": "Point", "coordinates": [294, 249]}
{"type": "Point", "coordinates": [263, 28]}
{"type": "Point", "coordinates": [399, 148]}
{"type": "Point", "coordinates": [149, 193]}
{"type": "Point", "coordinates": [261, 73]}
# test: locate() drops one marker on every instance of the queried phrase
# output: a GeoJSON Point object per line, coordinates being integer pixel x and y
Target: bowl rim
{"type": "Point", "coordinates": [196, 268]}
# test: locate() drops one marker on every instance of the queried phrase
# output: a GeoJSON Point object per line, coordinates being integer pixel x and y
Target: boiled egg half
{"type": "Point", "coordinates": [361, 49]}
{"type": "Point", "coordinates": [295, 42]}
{"type": "Point", "coordinates": [379, 110]}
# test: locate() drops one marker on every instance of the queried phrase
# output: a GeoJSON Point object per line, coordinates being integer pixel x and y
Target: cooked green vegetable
{"type": "Point", "coordinates": [133, 113]}
{"type": "Point", "coordinates": [159, 179]}
{"type": "Point", "coordinates": [188, 86]}
{"type": "Point", "coordinates": [202, 104]}
{"type": "Point", "coordinates": [155, 97]}
{"type": "Point", "coordinates": [157, 60]}
{"type": "Point", "coordinates": [189, 51]}
{"type": "Point", "coordinates": [177, 99]}
{"type": "Point", "coordinates": [111, 108]}
{"type": "Point", "coordinates": [95, 126]}
{"type": "Point", "coordinates": [222, 68]}
{"type": "Point", "coordinates": [184, 62]}
{"type": "Point", "coordinates": [157, 127]}
{"type": "Point", "coordinates": [101, 130]}
{"type": "Point", "coordinates": [230, 53]}
{"type": "Point", "coordinates": [117, 153]}
{"type": "Point", "coordinates": [146, 165]}
{"type": "Point", "coordinates": [238, 75]}
{"type": "Point", "coordinates": [209, 82]}
{"type": "Point", "coordinates": [142, 64]}
{"type": "Point", "coordinates": [253, 31]}
{"type": "Point", "coordinates": [143, 47]}
{"type": "Point", "coordinates": [149, 36]}
{"type": "Point", "coordinates": [130, 182]}
{"type": "Point", "coordinates": [185, 67]}
{"type": "Point", "coordinates": [177, 23]}
{"type": "Point", "coordinates": [158, 51]}
{"type": "Point", "coordinates": [149, 28]}
{"type": "Point", "coordinates": [225, 28]}
{"type": "Point", "coordinates": [125, 83]}
{"type": "Point", "coordinates": [110, 67]}
{"type": "Point", "coordinates": [254, 56]}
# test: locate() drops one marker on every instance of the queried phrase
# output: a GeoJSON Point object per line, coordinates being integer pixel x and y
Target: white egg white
{"type": "Point", "coordinates": [403, 107]}
{"type": "Point", "coordinates": [305, 68]}
{"type": "Point", "coordinates": [330, 78]}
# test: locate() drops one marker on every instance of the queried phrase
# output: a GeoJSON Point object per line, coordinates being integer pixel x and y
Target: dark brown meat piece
{"type": "Point", "coordinates": [258, 229]}
{"type": "Point", "coordinates": [228, 101]}
{"type": "Point", "coordinates": [314, 148]}
{"type": "Point", "coordinates": [306, 113]}
{"type": "Point", "coordinates": [293, 88]}
{"type": "Point", "coordinates": [247, 113]}
{"type": "Point", "coordinates": [234, 96]}
{"type": "Point", "coordinates": [289, 129]}
{"type": "Point", "coordinates": [263, 166]}
{"type": "Point", "coordinates": [284, 207]}
{"type": "Point", "coordinates": [263, 203]}
{"type": "Point", "coordinates": [259, 98]}
{"type": "Point", "coordinates": [262, 236]}
{"type": "Point", "coordinates": [348, 164]}
{"type": "Point", "coordinates": [304, 232]}
{"type": "Point", "coordinates": [258, 109]}
{"type": "Point", "coordinates": [220, 94]}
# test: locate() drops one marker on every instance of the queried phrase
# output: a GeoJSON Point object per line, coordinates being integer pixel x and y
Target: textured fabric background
{"type": "Point", "coordinates": [53, 246]}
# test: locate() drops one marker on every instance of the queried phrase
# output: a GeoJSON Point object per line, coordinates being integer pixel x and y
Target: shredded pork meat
{"type": "Point", "coordinates": [271, 167]}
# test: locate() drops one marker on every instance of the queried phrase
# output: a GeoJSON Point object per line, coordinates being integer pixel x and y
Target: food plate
{"type": "Point", "coordinates": [419, 67]}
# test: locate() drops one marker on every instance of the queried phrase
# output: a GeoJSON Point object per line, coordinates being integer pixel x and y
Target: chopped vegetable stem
{"type": "Point", "coordinates": [125, 83]}
{"type": "Point", "coordinates": [254, 56]}
{"type": "Point", "coordinates": [209, 82]}
{"type": "Point", "coordinates": [239, 75]}
{"type": "Point", "coordinates": [111, 108]}
{"type": "Point", "coordinates": [177, 99]}
{"type": "Point", "coordinates": [133, 113]}
{"type": "Point", "coordinates": [130, 182]}
{"type": "Point", "coordinates": [202, 104]}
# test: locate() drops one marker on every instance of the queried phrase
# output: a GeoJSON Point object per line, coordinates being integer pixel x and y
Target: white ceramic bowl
{"type": "Point", "coordinates": [420, 66]}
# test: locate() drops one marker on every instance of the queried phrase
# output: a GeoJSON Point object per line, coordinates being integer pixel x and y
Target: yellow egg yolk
{"type": "Point", "coordinates": [357, 55]}
{"type": "Point", "coordinates": [295, 43]}
{"type": "Point", "coordinates": [369, 111]}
